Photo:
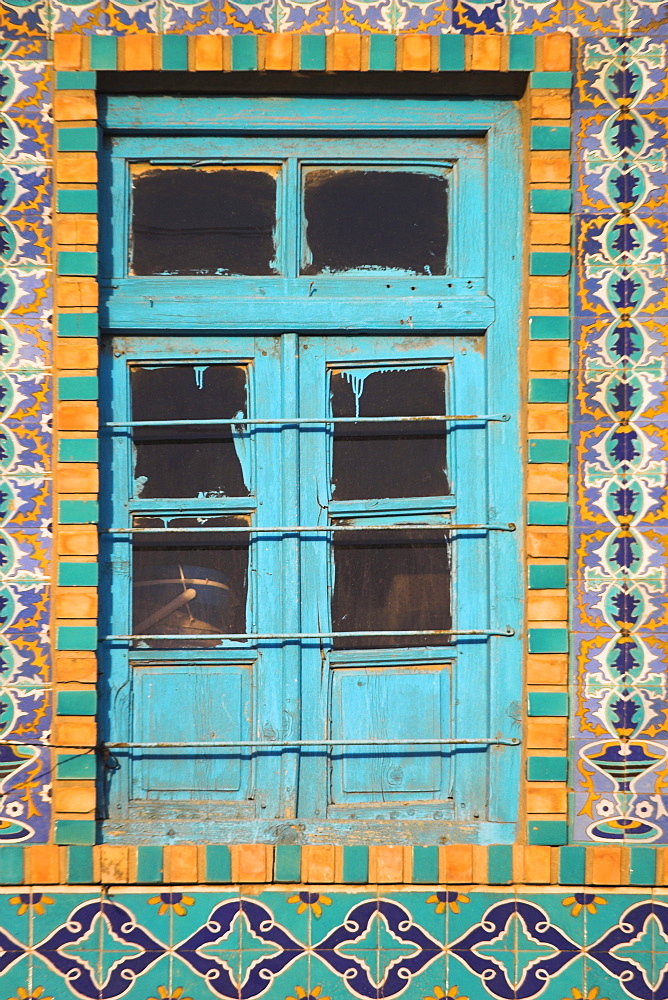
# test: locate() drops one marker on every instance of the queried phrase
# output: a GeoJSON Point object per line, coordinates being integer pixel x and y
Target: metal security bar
{"type": "Point", "coordinates": [280, 421]}
{"type": "Point", "coordinates": [310, 635]}
{"type": "Point", "coordinates": [298, 528]}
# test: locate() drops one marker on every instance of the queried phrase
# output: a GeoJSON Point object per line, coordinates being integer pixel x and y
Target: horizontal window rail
{"type": "Point", "coordinates": [300, 528]}
{"type": "Point", "coordinates": [279, 421]}
{"type": "Point", "coordinates": [436, 741]}
{"type": "Point", "coordinates": [311, 635]}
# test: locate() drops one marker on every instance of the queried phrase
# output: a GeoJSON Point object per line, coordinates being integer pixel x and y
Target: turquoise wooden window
{"type": "Point", "coordinates": [311, 451]}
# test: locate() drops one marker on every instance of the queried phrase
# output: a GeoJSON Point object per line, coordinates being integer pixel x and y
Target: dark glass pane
{"type": "Point", "coordinates": [189, 584]}
{"type": "Point", "coordinates": [394, 220]}
{"type": "Point", "coordinates": [196, 461]}
{"type": "Point", "coordinates": [390, 580]}
{"type": "Point", "coordinates": [402, 459]}
{"type": "Point", "coordinates": [203, 220]}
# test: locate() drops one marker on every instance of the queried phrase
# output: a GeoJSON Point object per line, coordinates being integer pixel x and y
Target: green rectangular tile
{"type": "Point", "coordinates": [382, 52]}
{"type": "Point", "coordinates": [76, 637]}
{"type": "Point", "coordinates": [288, 863]}
{"type": "Point", "coordinates": [549, 328]}
{"type": "Point", "coordinates": [552, 80]}
{"type": "Point", "coordinates": [77, 262]}
{"type": "Point", "coordinates": [76, 767]}
{"type": "Point", "coordinates": [78, 201]}
{"type": "Point", "coordinates": [75, 831]}
{"type": "Point", "coordinates": [77, 574]}
{"type": "Point", "coordinates": [77, 387]}
{"type": "Point", "coordinates": [549, 137]}
{"type": "Point", "coordinates": [312, 52]}
{"type": "Point", "coordinates": [78, 512]}
{"type": "Point", "coordinates": [76, 702]}
{"type": "Point", "coordinates": [174, 52]}
{"type": "Point", "coordinates": [547, 512]}
{"type": "Point", "coordinates": [425, 864]}
{"type": "Point", "coordinates": [11, 865]}
{"type": "Point", "coordinates": [642, 870]}
{"type": "Point", "coordinates": [548, 640]}
{"type": "Point", "coordinates": [77, 140]}
{"type": "Point", "coordinates": [547, 576]}
{"type": "Point", "coordinates": [451, 53]}
{"type": "Point", "coordinates": [572, 865]}
{"type": "Point", "coordinates": [500, 864]}
{"type": "Point", "coordinates": [78, 450]}
{"type": "Point", "coordinates": [544, 263]}
{"type": "Point", "coordinates": [149, 865]}
{"type": "Point", "coordinates": [522, 53]}
{"type": "Point", "coordinates": [76, 79]}
{"type": "Point", "coordinates": [547, 451]}
{"type": "Point", "coordinates": [547, 768]}
{"type": "Point", "coordinates": [548, 390]}
{"type": "Point", "coordinates": [244, 52]}
{"type": "Point", "coordinates": [548, 832]}
{"type": "Point", "coordinates": [551, 201]}
{"type": "Point", "coordinates": [356, 864]}
{"type": "Point", "coordinates": [103, 52]}
{"type": "Point", "coordinates": [218, 863]}
{"type": "Point", "coordinates": [544, 703]}
{"type": "Point", "coordinates": [77, 325]}
{"type": "Point", "coordinates": [80, 865]}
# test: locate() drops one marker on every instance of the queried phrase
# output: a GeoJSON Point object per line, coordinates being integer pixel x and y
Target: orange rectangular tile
{"type": "Point", "coordinates": [545, 606]}
{"type": "Point", "coordinates": [74, 106]}
{"type": "Point", "coordinates": [550, 104]}
{"type": "Point", "coordinates": [68, 52]}
{"type": "Point", "coordinates": [547, 669]}
{"type": "Point", "coordinates": [208, 52]}
{"type": "Point", "coordinates": [79, 667]}
{"type": "Point", "coordinates": [77, 540]}
{"type": "Point", "coordinates": [549, 542]}
{"type": "Point", "coordinates": [137, 52]}
{"type": "Point", "coordinates": [72, 293]}
{"type": "Point", "coordinates": [550, 230]}
{"type": "Point", "coordinates": [278, 51]}
{"type": "Point", "coordinates": [77, 415]}
{"type": "Point", "coordinates": [485, 51]}
{"type": "Point", "coordinates": [76, 229]}
{"type": "Point", "coordinates": [415, 53]}
{"type": "Point", "coordinates": [346, 51]}
{"type": "Point", "coordinates": [547, 479]}
{"type": "Point", "coordinates": [662, 866]}
{"type": "Point", "coordinates": [555, 52]}
{"type": "Point", "coordinates": [80, 353]}
{"type": "Point", "coordinates": [76, 168]}
{"type": "Point", "coordinates": [549, 291]}
{"type": "Point", "coordinates": [546, 734]}
{"type": "Point", "coordinates": [547, 798]}
{"type": "Point", "coordinates": [550, 167]}
{"type": "Point", "coordinates": [250, 863]}
{"type": "Point", "coordinates": [75, 731]}
{"type": "Point", "coordinates": [386, 865]}
{"type": "Point", "coordinates": [537, 865]}
{"type": "Point", "coordinates": [318, 863]}
{"type": "Point", "coordinates": [74, 796]}
{"type": "Point", "coordinates": [604, 865]}
{"type": "Point", "coordinates": [113, 864]}
{"type": "Point", "coordinates": [42, 864]}
{"type": "Point", "coordinates": [549, 356]}
{"type": "Point", "coordinates": [547, 418]}
{"type": "Point", "coordinates": [78, 477]}
{"type": "Point", "coordinates": [457, 864]}
{"type": "Point", "coordinates": [76, 602]}
{"type": "Point", "coordinates": [180, 863]}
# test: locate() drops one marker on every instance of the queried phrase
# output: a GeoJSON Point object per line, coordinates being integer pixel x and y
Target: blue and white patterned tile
{"type": "Point", "coordinates": [23, 23]}
{"type": "Point", "coordinates": [25, 662]}
{"type": "Point", "coordinates": [105, 17]}
{"type": "Point", "coordinates": [474, 17]}
{"type": "Point", "coordinates": [308, 17]}
{"type": "Point", "coordinates": [537, 16]}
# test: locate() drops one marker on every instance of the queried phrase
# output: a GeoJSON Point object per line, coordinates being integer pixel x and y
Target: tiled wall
{"type": "Point", "coordinates": [315, 923]}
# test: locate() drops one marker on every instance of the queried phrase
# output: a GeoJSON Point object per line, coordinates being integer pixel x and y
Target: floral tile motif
{"type": "Point", "coordinates": [537, 16]}
{"type": "Point", "coordinates": [314, 16]}
{"type": "Point", "coordinates": [105, 17]}
{"type": "Point", "coordinates": [474, 17]}
{"type": "Point", "coordinates": [24, 22]}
